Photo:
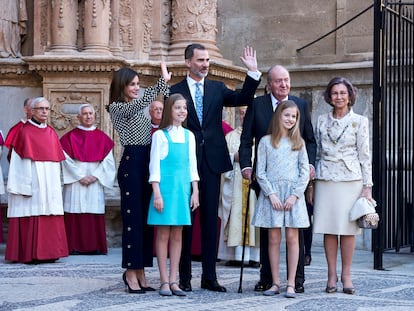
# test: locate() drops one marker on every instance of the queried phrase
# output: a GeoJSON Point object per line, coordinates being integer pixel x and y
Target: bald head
{"type": "Point", "coordinates": [155, 112]}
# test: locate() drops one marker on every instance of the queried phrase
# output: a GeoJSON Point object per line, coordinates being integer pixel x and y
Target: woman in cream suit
{"type": "Point", "coordinates": [343, 174]}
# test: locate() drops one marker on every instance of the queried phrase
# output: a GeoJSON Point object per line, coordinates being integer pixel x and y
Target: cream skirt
{"type": "Point", "coordinates": [332, 203]}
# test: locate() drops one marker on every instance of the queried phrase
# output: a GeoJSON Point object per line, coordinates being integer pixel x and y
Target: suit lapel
{"type": "Point", "coordinates": [208, 97]}
{"type": "Point", "coordinates": [269, 105]}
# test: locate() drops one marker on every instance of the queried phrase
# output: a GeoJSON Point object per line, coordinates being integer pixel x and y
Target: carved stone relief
{"type": "Point", "coordinates": [65, 105]}
{"type": "Point", "coordinates": [125, 23]}
{"type": "Point", "coordinates": [147, 23]}
{"type": "Point", "coordinates": [194, 18]}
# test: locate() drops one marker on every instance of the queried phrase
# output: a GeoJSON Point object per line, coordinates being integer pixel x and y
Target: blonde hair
{"type": "Point", "coordinates": [275, 127]}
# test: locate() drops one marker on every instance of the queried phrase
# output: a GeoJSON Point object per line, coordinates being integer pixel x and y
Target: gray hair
{"type": "Point", "coordinates": [38, 100]}
{"type": "Point", "coordinates": [85, 106]}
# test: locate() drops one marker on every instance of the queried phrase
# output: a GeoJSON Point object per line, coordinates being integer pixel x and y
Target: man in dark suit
{"type": "Point", "coordinates": [255, 126]}
{"type": "Point", "coordinates": [212, 153]}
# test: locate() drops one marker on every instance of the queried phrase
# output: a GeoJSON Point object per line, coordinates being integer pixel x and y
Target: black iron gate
{"type": "Point", "coordinates": [393, 126]}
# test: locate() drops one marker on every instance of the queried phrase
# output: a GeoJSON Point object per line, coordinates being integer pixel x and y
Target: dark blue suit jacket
{"type": "Point", "coordinates": [210, 137]}
{"type": "Point", "coordinates": [256, 124]}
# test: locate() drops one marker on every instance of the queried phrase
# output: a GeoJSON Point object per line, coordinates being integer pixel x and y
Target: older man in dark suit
{"type": "Point", "coordinates": [205, 101]}
{"type": "Point", "coordinates": [255, 126]}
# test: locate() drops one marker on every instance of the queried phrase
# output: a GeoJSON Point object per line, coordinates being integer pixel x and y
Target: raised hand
{"type": "Point", "coordinates": [249, 58]}
{"type": "Point", "coordinates": [164, 72]}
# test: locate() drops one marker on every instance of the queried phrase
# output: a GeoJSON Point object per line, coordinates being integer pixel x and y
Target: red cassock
{"type": "Point", "coordinates": [86, 232]}
{"type": "Point", "coordinates": [10, 136]}
{"type": "Point", "coordinates": [37, 237]}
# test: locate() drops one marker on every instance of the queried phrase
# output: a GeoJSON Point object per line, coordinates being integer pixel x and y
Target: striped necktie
{"type": "Point", "coordinates": [199, 103]}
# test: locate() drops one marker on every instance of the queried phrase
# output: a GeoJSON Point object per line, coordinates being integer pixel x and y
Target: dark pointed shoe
{"type": "Point", "coordinates": [299, 288]}
{"type": "Point", "coordinates": [307, 260]}
{"type": "Point", "coordinates": [129, 289]}
{"type": "Point", "coordinates": [331, 289]}
{"type": "Point", "coordinates": [349, 290]}
{"type": "Point", "coordinates": [261, 286]}
{"type": "Point", "coordinates": [212, 285]}
{"type": "Point", "coordinates": [146, 288]}
{"type": "Point", "coordinates": [185, 286]}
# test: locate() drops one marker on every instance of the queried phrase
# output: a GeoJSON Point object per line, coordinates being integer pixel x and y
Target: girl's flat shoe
{"type": "Point", "coordinates": [165, 292]}
{"type": "Point", "coordinates": [290, 295]}
{"type": "Point", "coordinates": [177, 292]}
{"type": "Point", "coordinates": [272, 292]}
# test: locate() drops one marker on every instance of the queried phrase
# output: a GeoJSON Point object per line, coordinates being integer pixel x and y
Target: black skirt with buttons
{"type": "Point", "coordinates": [137, 236]}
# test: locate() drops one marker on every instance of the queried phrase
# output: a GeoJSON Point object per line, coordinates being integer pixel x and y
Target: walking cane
{"type": "Point", "coordinates": [244, 239]}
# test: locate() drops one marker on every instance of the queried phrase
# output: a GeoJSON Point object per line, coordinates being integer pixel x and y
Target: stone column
{"type": "Point", "coordinates": [160, 34]}
{"type": "Point", "coordinates": [114, 32]}
{"type": "Point", "coordinates": [96, 26]}
{"type": "Point", "coordinates": [64, 24]}
{"type": "Point", "coordinates": [193, 21]}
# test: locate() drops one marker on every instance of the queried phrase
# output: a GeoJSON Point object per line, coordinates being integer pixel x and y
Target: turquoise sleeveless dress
{"type": "Point", "coordinates": [175, 186]}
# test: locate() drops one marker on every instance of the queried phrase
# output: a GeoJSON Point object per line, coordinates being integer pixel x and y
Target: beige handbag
{"type": "Point", "coordinates": [363, 211]}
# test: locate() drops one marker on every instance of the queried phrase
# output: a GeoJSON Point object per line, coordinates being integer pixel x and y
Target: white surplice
{"type": "Point", "coordinates": [34, 188]}
{"type": "Point", "coordinates": [87, 199]}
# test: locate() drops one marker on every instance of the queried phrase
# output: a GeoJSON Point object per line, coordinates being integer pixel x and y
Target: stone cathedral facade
{"type": "Point", "coordinates": [67, 51]}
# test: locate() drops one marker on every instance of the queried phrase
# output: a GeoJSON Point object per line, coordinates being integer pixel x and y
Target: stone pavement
{"type": "Point", "coordinates": [94, 283]}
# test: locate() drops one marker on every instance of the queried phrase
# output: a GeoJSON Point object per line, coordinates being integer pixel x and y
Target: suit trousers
{"type": "Point", "coordinates": [265, 271]}
{"type": "Point", "coordinates": [209, 189]}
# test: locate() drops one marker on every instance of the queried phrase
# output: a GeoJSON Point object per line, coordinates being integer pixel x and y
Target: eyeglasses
{"type": "Point", "coordinates": [42, 108]}
{"type": "Point", "coordinates": [336, 94]}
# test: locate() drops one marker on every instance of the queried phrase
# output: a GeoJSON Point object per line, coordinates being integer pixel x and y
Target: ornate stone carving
{"type": "Point", "coordinates": [148, 7]}
{"type": "Point", "coordinates": [44, 22]}
{"type": "Point", "coordinates": [193, 21]}
{"type": "Point", "coordinates": [65, 104]}
{"type": "Point", "coordinates": [125, 23]}
{"type": "Point", "coordinates": [194, 18]}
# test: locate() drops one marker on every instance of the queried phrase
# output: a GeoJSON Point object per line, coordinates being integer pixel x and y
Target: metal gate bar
{"type": "Point", "coordinates": [393, 126]}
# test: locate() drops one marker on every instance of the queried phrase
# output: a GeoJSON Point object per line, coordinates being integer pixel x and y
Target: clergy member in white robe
{"type": "Point", "coordinates": [1, 187]}
{"type": "Point", "coordinates": [36, 230]}
{"type": "Point", "coordinates": [89, 168]}
{"type": "Point", "coordinates": [232, 209]}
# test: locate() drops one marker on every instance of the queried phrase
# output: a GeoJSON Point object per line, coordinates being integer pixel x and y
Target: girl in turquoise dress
{"type": "Point", "coordinates": [282, 173]}
{"type": "Point", "coordinates": [174, 180]}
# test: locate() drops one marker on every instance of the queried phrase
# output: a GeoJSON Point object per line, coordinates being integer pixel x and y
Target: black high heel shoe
{"type": "Point", "coordinates": [146, 288]}
{"type": "Point", "coordinates": [347, 290]}
{"type": "Point", "coordinates": [130, 290]}
{"type": "Point", "coordinates": [331, 289]}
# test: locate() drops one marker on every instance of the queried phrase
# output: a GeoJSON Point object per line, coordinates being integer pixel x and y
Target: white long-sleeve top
{"type": "Point", "coordinates": [159, 151]}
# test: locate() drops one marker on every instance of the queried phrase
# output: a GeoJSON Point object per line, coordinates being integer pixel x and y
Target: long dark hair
{"type": "Point", "coordinates": [120, 80]}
